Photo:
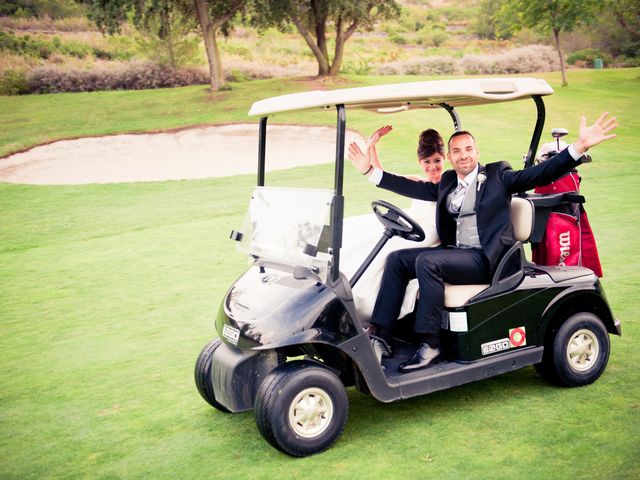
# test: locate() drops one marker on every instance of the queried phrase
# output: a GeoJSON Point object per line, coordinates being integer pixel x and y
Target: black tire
{"type": "Point", "coordinates": [202, 375]}
{"type": "Point", "coordinates": [578, 352]}
{"type": "Point", "coordinates": [281, 398]}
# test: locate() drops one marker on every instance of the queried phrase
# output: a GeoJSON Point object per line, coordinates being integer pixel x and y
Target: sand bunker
{"type": "Point", "coordinates": [203, 152]}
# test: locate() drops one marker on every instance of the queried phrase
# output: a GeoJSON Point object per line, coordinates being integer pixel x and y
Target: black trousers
{"type": "Point", "coordinates": [432, 267]}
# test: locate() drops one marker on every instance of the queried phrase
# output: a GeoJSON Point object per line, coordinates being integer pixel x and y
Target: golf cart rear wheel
{"type": "Point", "coordinates": [202, 375]}
{"type": "Point", "coordinates": [578, 353]}
{"type": "Point", "coordinates": [301, 408]}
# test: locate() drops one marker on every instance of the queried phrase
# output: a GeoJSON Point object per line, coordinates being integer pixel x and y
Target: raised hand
{"type": "Point", "coordinates": [358, 158]}
{"type": "Point", "coordinates": [379, 133]}
{"type": "Point", "coordinates": [592, 135]}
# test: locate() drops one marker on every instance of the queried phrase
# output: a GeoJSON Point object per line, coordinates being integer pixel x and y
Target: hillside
{"type": "Point", "coordinates": [41, 54]}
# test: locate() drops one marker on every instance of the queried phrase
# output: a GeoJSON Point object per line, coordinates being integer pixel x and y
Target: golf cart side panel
{"type": "Point", "coordinates": [237, 374]}
{"type": "Point", "coordinates": [586, 296]}
{"type": "Point", "coordinates": [270, 308]}
{"type": "Point", "coordinates": [491, 322]}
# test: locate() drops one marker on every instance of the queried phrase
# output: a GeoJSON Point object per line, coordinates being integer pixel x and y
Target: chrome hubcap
{"type": "Point", "coordinates": [583, 350]}
{"type": "Point", "coordinates": [311, 412]}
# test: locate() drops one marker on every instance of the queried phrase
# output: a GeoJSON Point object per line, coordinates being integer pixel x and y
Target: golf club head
{"type": "Point", "coordinates": [559, 132]}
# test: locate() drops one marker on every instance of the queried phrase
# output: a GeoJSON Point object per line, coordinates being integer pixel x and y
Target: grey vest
{"type": "Point", "coordinates": [466, 222]}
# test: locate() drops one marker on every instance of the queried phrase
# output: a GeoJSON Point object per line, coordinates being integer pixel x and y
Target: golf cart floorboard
{"type": "Point", "coordinates": [444, 374]}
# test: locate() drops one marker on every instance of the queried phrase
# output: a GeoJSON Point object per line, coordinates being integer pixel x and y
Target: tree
{"type": "Point", "coordinates": [555, 16]}
{"type": "Point", "coordinates": [486, 23]}
{"type": "Point", "coordinates": [213, 17]}
{"type": "Point", "coordinates": [607, 34]}
{"type": "Point", "coordinates": [315, 18]}
{"type": "Point", "coordinates": [627, 13]}
{"type": "Point", "coordinates": [166, 39]}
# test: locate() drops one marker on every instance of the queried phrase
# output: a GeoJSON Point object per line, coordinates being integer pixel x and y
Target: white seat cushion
{"type": "Point", "coordinates": [522, 218]}
{"type": "Point", "coordinates": [458, 295]}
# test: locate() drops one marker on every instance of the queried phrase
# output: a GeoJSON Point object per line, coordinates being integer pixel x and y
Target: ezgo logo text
{"type": "Point", "coordinates": [517, 338]}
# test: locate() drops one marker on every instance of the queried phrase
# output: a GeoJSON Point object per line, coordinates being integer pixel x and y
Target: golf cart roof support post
{"type": "Point", "coordinates": [337, 212]}
{"type": "Point", "coordinates": [457, 123]}
{"type": "Point", "coordinates": [262, 150]}
{"type": "Point", "coordinates": [373, 254]}
{"type": "Point", "coordinates": [537, 131]}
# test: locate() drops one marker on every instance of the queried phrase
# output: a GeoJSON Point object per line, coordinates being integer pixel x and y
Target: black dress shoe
{"type": "Point", "coordinates": [381, 348]}
{"type": "Point", "coordinates": [421, 359]}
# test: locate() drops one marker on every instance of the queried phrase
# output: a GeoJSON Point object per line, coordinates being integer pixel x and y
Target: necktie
{"type": "Point", "coordinates": [458, 197]}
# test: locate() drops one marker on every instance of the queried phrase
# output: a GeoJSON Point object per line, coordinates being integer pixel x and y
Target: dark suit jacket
{"type": "Point", "coordinates": [493, 199]}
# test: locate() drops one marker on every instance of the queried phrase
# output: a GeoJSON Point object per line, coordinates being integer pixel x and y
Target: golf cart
{"type": "Point", "coordinates": [290, 337]}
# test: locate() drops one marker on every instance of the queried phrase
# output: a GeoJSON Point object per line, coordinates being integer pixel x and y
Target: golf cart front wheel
{"type": "Point", "coordinates": [202, 375]}
{"type": "Point", "coordinates": [578, 353]}
{"type": "Point", "coordinates": [301, 408]}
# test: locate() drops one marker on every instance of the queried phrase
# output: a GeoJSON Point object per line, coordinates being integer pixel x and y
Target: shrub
{"type": "Point", "coordinates": [41, 8]}
{"type": "Point", "coordinates": [37, 47]}
{"type": "Point", "coordinates": [10, 61]}
{"type": "Point", "coordinates": [587, 56]}
{"type": "Point", "coordinates": [534, 58]}
{"type": "Point", "coordinates": [165, 38]}
{"type": "Point", "coordinates": [432, 37]}
{"type": "Point", "coordinates": [132, 76]}
{"type": "Point", "coordinates": [237, 76]}
{"type": "Point", "coordinates": [626, 62]}
{"type": "Point", "coordinates": [239, 50]}
{"type": "Point", "coordinates": [437, 65]}
{"type": "Point", "coordinates": [24, 45]}
{"type": "Point", "coordinates": [438, 37]}
{"type": "Point", "coordinates": [13, 82]}
{"type": "Point", "coordinates": [362, 67]}
{"type": "Point", "coordinates": [392, 29]}
{"type": "Point", "coordinates": [264, 69]}
{"type": "Point", "coordinates": [71, 48]}
{"type": "Point", "coordinates": [106, 54]}
{"type": "Point", "coordinates": [407, 21]}
{"type": "Point", "coordinates": [397, 39]}
{"type": "Point", "coordinates": [120, 47]}
{"type": "Point", "coordinates": [454, 13]}
{"type": "Point", "coordinates": [70, 24]}
{"type": "Point", "coordinates": [173, 50]}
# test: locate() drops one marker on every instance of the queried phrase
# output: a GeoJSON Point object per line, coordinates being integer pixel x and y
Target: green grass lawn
{"type": "Point", "coordinates": [107, 295]}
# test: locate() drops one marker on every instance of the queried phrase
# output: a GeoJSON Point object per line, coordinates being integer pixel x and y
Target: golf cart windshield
{"type": "Point", "coordinates": [285, 225]}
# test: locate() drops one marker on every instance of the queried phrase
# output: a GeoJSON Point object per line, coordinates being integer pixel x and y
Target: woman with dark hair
{"type": "Point", "coordinates": [361, 233]}
{"type": "Point", "coordinates": [430, 153]}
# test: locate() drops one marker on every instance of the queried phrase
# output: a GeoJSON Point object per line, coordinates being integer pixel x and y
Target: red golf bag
{"type": "Point", "coordinates": [568, 239]}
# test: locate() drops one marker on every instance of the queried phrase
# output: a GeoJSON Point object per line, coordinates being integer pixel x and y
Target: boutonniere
{"type": "Point", "coordinates": [481, 179]}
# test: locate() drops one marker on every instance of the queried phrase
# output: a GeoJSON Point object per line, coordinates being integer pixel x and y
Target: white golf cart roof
{"type": "Point", "coordinates": [406, 96]}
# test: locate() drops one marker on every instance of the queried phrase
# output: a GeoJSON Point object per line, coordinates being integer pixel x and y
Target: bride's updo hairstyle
{"type": "Point", "coordinates": [430, 142]}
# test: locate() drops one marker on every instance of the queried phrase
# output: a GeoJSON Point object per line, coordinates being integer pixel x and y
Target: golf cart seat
{"type": "Point", "coordinates": [522, 219]}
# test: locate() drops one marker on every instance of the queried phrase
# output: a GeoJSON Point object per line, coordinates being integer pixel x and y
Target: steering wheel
{"type": "Point", "coordinates": [398, 222]}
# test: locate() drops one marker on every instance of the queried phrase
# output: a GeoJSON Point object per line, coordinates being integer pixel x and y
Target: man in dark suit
{"type": "Point", "coordinates": [474, 226]}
